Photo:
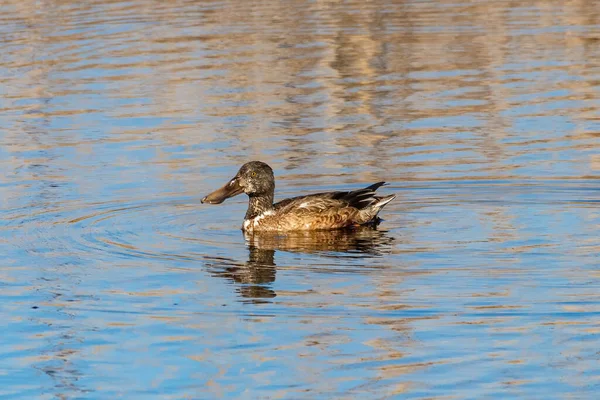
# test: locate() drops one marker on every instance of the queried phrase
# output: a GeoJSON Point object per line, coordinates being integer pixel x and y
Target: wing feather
{"type": "Point", "coordinates": [359, 199]}
{"type": "Point", "coordinates": [326, 210]}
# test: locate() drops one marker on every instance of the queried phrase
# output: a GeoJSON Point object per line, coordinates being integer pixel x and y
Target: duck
{"type": "Point", "coordinates": [318, 211]}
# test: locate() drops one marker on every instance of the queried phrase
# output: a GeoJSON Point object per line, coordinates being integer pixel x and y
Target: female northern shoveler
{"type": "Point", "coordinates": [332, 210]}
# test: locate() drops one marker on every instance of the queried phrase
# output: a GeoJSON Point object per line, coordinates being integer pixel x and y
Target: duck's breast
{"type": "Point", "coordinates": [264, 221]}
{"type": "Point", "coordinates": [302, 220]}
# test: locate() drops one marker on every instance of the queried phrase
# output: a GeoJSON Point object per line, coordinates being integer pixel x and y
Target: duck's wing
{"type": "Point", "coordinates": [331, 210]}
{"type": "Point", "coordinates": [317, 203]}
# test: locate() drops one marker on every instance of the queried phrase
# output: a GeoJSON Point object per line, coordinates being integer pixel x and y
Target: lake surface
{"type": "Point", "coordinates": [117, 117]}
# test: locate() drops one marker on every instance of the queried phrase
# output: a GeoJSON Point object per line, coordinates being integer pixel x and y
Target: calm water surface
{"type": "Point", "coordinates": [118, 116]}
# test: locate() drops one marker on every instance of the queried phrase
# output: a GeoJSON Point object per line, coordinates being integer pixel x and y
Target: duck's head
{"type": "Point", "coordinates": [255, 178]}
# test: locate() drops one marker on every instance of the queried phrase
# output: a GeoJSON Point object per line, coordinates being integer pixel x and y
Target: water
{"type": "Point", "coordinates": [117, 117]}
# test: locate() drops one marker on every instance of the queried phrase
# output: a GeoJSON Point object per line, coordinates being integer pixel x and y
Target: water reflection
{"type": "Point", "coordinates": [344, 242]}
{"type": "Point", "coordinates": [257, 275]}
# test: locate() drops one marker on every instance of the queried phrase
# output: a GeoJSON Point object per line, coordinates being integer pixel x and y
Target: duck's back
{"type": "Point", "coordinates": [331, 210]}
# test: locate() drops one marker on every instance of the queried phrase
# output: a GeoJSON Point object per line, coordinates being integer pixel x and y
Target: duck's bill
{"type": "Point", "coordinates": [232, 188]}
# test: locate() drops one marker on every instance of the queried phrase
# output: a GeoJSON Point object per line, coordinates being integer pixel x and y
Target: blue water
{"type": "Point", "coordinates": [482, 280]}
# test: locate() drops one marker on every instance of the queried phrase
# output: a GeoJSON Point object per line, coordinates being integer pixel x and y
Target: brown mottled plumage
{"type": "Point", "coordinates": [331, 210]}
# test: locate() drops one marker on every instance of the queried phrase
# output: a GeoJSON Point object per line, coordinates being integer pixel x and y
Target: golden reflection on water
{"type": "Point", "coordinates": [310, 86]}
{"type": "Point", "coordinates": [259, 271]}
{"type": "Point", "coordinates": [361, 240]}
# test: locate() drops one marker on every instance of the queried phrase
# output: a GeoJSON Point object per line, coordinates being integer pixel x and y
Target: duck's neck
{"type": "Point", "coordinates": [258, 204]}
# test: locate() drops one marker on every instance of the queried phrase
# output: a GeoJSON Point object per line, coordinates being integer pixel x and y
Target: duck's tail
{"type": "Point", "coordinates": [369, 214]}
{"type": "Point", "coordinates": [382, 201]}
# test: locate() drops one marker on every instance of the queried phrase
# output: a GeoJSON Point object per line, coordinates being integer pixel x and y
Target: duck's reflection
{"type": "Point", "coordinates": [257, 275]}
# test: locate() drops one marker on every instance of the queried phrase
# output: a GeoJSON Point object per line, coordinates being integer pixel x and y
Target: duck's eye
{"type": "Point", "coordinates": [253, 174]}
